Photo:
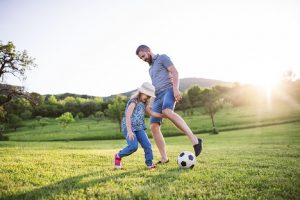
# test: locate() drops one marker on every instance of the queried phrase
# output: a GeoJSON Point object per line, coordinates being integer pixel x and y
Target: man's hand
{"type": "Point", "coordinates": [177, 95]}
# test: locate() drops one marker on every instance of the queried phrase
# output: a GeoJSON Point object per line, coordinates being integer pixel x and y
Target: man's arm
{"type": "Point", "coordinates": [173, 73]}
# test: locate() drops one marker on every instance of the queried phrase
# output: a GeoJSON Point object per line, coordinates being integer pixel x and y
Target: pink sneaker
{"type": "Point", "coordinates": [118, 164]}
{"type": "Point", "coordinates": [151, 167]}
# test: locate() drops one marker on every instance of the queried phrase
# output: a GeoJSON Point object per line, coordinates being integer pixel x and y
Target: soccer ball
{"type": "Point", "coordinates": [186, 159]}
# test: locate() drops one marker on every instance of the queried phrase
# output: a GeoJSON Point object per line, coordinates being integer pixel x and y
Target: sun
{"type": "Point", "coordinates": [267, 83]}
{"type": "Point", "coordinates": [263, 78]}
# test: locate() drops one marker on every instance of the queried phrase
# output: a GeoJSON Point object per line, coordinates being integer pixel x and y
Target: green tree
{"type": "Point", "coordinates": [99, 115]}
{"type": "Point", "coordinates": [18, 106]}
{"type": "Point", "coordinates": [211, 103]}
{"type": "Point", "coordinates": [185, 104]}
{"type": "Point", "coordinates": [2, 127]}
{"type": "Point", "coordinates": [14, 121]}
{"type": "Point", "coordinates": [13, 63]}
{"type": "Point", "coordinates": [79, 116]}
{"type": "Point", "coordinates": [27, 114]}
{"type": "Point", "coordinates": [52, 100]}
{"type": "Point", "coordinates": [44, 121]}
{"type": "Point", "coordinates": [88, 108]}
{"type": "Point", "coordinates": [116, 108]}
{"type": "Point", "coordinates": [194, 95]}
{"type": "Point", "coordinates": [65, 119]}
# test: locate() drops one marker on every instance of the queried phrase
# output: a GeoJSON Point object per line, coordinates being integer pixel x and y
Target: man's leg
{"type": "Point", "coordinates": [159, 141]}
{"type": "Point", "coordinates": [180, 124]}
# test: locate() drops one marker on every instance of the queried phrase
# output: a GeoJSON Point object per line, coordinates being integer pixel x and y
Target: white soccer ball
{"type": "Point", "coordinates": [186, 159]}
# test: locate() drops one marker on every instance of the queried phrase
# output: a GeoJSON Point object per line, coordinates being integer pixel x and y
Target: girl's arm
{"type": "Point", "coordinates": [153, 114]}
{"type": "Point", "coordinates": [128, 114]}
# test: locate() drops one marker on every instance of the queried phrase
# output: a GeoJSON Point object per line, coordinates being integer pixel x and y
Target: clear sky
{"type": "Point", "coordinates": [88, 46]}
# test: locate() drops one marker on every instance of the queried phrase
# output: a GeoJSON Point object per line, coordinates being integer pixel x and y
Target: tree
{"type": "Point", "coordinates": [194, 95]}
{"type": "Point", "coordinates": [2, 118]}
{"type": "Point", "coordinates": [14, 121]}
{"type": "Point", "coordinates": [27, 114]}
{"type": "Point", "coordinates": [65, 119]}
{"type": "Point", "coordinates": [184, 104]}
{"type": "Point", "coordinates": [211, 103]}
{"type": "Point", "coordinates": [13, 63]}
{"type": "Point", "coordinates": [116, 108]}
{"type": "Point", "coordinates": [99, 115]}
{"type": "Point", "coordinates": [52, 100]}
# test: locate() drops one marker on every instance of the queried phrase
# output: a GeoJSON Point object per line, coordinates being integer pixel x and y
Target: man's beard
{"type": "Point", "coordinates": [149, 60]}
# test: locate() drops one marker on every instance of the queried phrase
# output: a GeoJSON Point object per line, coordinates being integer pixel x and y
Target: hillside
{"type": "Point", "coordinates": [185, 84]}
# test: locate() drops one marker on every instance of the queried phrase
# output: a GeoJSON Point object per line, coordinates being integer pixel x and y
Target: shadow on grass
{"type": "Point", "coordinates": [67, 186]}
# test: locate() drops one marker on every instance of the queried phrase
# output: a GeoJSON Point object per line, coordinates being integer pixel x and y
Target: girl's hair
{"type": "Point", "coordinates": [135, 94]}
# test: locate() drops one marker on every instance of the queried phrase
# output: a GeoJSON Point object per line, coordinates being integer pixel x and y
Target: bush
{"type": "Point", "coordinates": [79, 116]}
{"type": "Point", "coordinates": [14, 121]}
{"type": "Point", "coordinates": [65, 119]}
{"type": "Point", "coordinates": [214, 131]}
{"type": "Point", "coordinates": [44, 121]}
{"type": "Point", "coordinates": [2, 136]}
{"type": "Point", "coordinates": [26, 115]}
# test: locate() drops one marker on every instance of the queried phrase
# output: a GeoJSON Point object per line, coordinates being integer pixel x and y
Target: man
{"type": "Point", "coordinates": [164, 77]}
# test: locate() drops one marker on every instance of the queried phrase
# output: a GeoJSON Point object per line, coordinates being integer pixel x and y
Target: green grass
{"type": "Point", "coordinates": [226, 119]}
{"type": "Point", "coordinates": [258, 163]}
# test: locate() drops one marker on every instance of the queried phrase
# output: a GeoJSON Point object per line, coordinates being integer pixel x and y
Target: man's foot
{"type": "Point", "coordinates": [151, 167]}
{"type": "Point", "coordinates": [198, 147]}
{"type": "Point", "coordinates": [161, 162]}
{"type": "Point", "coordinates": [118, 164]}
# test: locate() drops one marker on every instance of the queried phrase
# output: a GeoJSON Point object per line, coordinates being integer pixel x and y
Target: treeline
{"type": "Point", "coordinates": [51, 106]}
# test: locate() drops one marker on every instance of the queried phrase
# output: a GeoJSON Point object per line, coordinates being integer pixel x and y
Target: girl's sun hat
{"type": "Point", "coordinates": [147, 89]}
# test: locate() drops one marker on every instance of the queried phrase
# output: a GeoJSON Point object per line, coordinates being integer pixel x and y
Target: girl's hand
{"type": "Point", "coordinates": [130, 135]}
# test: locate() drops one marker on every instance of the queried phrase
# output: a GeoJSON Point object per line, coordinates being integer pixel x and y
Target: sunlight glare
{"type": "Point", "coordinates": [268, 84]}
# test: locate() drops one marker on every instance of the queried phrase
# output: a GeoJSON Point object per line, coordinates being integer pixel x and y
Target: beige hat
{"type": "Point", "coordinates": [147, 89]}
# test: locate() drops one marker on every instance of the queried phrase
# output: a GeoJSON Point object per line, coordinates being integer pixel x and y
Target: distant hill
{"type": "Point", "coordinates": [64, 95]}
{"type": "Point", "coordinates": [186, 83]}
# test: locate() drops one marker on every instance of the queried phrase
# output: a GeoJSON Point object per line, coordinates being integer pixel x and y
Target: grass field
{"type": "Point", "coordinates": [226, 119]}
{"type": "Point", "coordinates": [258, 163]}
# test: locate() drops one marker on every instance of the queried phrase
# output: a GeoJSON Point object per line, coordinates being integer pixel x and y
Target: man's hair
{"type": "Point", "coordinates": [142, 48]}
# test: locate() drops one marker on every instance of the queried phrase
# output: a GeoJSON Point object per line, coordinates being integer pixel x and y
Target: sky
{"type": "Point", "coordinates": [88, 46]}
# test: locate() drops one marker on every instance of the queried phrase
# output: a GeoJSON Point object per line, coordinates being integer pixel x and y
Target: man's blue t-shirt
{"type": "Point", "coordinates": [159, 73]}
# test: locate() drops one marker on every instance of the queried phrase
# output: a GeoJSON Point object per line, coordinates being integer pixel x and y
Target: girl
{"type": "Point", "coordinates": [133, 125]}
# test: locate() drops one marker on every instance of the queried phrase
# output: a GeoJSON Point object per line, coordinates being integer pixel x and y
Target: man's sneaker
{"type": "Point", "coordinates": [160, 162]}
{"type": "Point", "coordinates": [198, 147]}
{"type": "Point", "coordinates": [118, 164]}
{"type": "Point", "coordinates": [151, 167]}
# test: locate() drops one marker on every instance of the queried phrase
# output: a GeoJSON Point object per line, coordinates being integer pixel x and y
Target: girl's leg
{"type": "Point", "coordinates": [131, 147]}
{"type": "Point", "coordinates": [146, 145]}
